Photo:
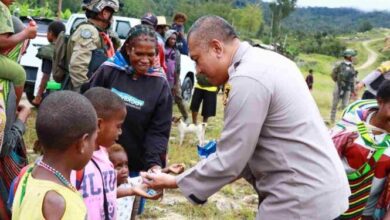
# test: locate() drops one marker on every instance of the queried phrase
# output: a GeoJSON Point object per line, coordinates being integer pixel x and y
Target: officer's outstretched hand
{"type": "Point", "coordinates": [159, 180]}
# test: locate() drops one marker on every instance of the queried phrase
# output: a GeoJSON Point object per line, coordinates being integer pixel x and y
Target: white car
{"type": "Point", "coordinates": [121, 25]}
{"type": "Point", "coordinates": [29, 61]}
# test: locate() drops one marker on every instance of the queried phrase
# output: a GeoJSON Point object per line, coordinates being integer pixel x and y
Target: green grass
{"type": "Point", "coordinates": [322, 66]}
{"type": "Point", "coordinates": [235, 192]}
{"type": "Point", "coordinates": [374, 33]}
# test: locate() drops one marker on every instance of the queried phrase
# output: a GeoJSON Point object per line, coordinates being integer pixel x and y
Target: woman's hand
{"type": "Point", "coordinates": [159, 180]}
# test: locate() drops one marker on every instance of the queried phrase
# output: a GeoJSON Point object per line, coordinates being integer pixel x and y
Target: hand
{"type": "Point", "coordinates": [30, 32]}
{"type": "Point", "coordinates": [23, 113]}
{"type": "Point", "coordinates": [155, 169]}
{"type": "Point", "coordinates": [140, 191]}
{"type": "Point", "coordinates": [359, 86]}
{"type": "Point", "coordinates": [159, 180]}
{"type": "Point", "coordinates": [176, 168]}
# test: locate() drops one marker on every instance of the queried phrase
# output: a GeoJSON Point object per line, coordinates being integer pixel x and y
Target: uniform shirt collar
{"type": "Point", "coordinates": [244, 46]}
{"type": "Point", "coordinates": [347, 62]}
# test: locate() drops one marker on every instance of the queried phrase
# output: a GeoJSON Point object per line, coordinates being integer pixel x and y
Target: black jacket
{"type": "Point", "coordinates": [145, 132]}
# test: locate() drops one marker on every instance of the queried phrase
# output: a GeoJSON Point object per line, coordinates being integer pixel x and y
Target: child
{"type": "Point", "coordinates": [67, 136]}
{"type": "Point", "coordinates": [8, 40]}
{"type": "Point", "coordinates": [178, 24]}
{"type": "Point", "coordinates": [46, 54]}
{"type": "Point", "coordinates": [172, 59]}
{"type": "Point", "coordinates": [125, 205]}
{"type": "Point", "coordinates": [310, 80]}
{"type": "Point", "coordinates": [99, 173]}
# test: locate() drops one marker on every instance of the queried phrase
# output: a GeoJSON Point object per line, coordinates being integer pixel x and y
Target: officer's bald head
{"type": "Point", "coordinates": [211, 27]}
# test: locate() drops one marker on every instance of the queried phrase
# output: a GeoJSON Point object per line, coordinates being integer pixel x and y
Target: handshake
{"type": "Point", "coordinates": [159, 179]}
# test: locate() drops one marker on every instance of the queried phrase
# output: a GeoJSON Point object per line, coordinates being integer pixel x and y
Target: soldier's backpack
{"type": "Point", "coordinates": [61, 60]}
{"type": "Point", "coordinates": [63, 52]}
{"type": "Point", "coordinates": [346, 73]}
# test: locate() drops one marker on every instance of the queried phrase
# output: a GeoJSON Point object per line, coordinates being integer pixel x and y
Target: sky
{"type": "Point", "coordinates": [365, 5]}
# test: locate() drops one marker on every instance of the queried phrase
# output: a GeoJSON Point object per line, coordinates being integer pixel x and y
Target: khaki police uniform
{"type": "Point", "coordinates": [274, 137]}
{"type": "Point", "coordinates": [84, 40]}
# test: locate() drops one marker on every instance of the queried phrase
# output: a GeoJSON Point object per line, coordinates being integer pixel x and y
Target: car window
{"type": "Point", "coordinates": [122, 29]}
{"type": "Point", "coordinates": [76, 23]}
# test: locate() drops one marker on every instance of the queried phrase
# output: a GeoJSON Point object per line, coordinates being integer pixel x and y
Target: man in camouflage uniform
{"type": "Point", "coordinates": [344, 75]}
{"type": "Point", "coordinates": [89, 37]}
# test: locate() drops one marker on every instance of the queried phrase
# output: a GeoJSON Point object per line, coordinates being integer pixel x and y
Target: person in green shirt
{"type": "Point", "coordinates": [45, 53]}
{"type": "Point", "coordinates": [8, 40]}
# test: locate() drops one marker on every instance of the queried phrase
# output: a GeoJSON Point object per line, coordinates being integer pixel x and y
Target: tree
{"type": "Point", "coordinates": [365, 26]}
{"type": "Point", "coordinates": [280, 9]}
{"type": "Point", "coordinates": [247, 20]}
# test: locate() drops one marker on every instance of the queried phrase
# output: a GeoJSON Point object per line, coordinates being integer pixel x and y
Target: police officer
{"type": "Point", "coordinates": [273, 134]}
{"type": "Point", "coordinates": [344, 76]}
{"type": "Point", "coordinates": [89, 37]}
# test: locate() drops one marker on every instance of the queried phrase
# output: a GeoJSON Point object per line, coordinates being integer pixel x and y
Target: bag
{"type": "Point", "coordinates": [346, 76]}
{"type": "Point", "coordinates": [61, 57]}
{"type": "Point", "coordinates": [46, 52]}
{"type": "Point", "coordinates": [206, 150]}
{"type": "Point", "coordinates": [63, 52]}
{"type": "Point", "coordinates": [360, 181]}
{"type": "Point", "coordinates": [98, 58]}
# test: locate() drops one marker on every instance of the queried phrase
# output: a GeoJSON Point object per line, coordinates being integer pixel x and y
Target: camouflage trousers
{"type": "Point", "coordinates": [337, 96]}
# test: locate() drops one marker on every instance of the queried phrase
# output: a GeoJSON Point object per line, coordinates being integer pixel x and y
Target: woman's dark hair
{"type": "Point", "coordinates": [134, 33]}
{"type": "Point", "coordinates": [384, 91]}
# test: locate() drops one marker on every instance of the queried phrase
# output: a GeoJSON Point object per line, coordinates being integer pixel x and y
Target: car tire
{"type": "Point", "coordinates": [186, 89]}
{"type": "Point", "coordinates": [29, 90]}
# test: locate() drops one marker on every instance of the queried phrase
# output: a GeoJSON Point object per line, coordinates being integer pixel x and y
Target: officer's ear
{"type": "Point", "coordinates": [217, 47]}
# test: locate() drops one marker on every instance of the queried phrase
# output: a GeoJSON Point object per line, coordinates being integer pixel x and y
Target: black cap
{"type": "Point", "coordinates": [149, 19]}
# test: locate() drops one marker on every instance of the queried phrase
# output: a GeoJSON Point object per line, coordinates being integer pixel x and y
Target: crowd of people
{"type": "Point", "coordinates": [103, 140]}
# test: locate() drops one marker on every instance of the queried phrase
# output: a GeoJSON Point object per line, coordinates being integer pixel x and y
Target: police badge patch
{"type": "Point", "coordinates": [86, 34]}
{"type": "Point", "coordinates": [226, 92]}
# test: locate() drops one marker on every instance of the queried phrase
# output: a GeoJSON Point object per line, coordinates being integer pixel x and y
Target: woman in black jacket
{"type": "Point", "coordinates": [145, 90]}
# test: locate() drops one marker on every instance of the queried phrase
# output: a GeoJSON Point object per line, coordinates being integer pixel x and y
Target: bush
{"type": "Point", "coordinates": [321, 44]}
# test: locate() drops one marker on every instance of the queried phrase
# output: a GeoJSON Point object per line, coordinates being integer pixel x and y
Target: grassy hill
{"type": "Point", "coordinates": [323, 65]}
